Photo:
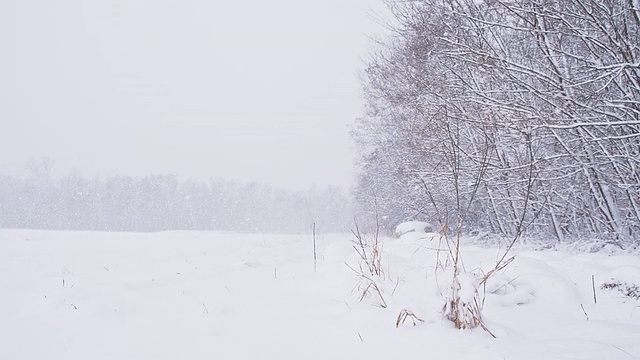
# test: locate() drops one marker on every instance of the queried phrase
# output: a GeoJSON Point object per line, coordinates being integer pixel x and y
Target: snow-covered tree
{"type": "Point", "coordinates": [507, 115]}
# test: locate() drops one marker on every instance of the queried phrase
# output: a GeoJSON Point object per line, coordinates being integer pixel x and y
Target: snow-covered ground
{"type": "Point", "coordinates": [198, 295]}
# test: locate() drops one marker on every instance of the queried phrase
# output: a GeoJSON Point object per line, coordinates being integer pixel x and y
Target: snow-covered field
{"type": "Point", "coordinates": [198, 295]}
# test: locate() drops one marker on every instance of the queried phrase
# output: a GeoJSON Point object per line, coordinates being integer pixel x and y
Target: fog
{"type": "Point", "coordinates": [251, 91]}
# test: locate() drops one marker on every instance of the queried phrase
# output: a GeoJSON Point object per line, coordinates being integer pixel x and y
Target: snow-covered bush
{"type": "Point", "coordinates": [626, 289]}
{"type": "Point", "coordinates": [463, 304]}
{"type": "Point", "coordinates": [626, 281]}
{"type": "Point", "coordinates": [413, 226]}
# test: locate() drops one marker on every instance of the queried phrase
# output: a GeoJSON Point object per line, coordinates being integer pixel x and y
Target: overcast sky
{"type": "Point", "coordinates": [252, 90]}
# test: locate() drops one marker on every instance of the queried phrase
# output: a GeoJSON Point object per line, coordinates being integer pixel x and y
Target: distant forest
{"type": "Point", "coordinates": [163, 202]}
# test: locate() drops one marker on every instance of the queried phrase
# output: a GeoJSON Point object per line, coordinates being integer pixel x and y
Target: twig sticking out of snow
{"type": "Point", "coordinates": [624, 351]}
{"type": "Point", "coordinates": [404, 314]}
{"type": "Point", "coordinates": [585, 312]}
{"type": "Point", "coordinates": [315, 255]}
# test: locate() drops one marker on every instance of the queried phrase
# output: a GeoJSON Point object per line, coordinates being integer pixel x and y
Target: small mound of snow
{"type": "Point", "coordinates": [628, 274]}
{"type": "Point", "coordinates": [468, 284]}
{"type": "Point", "coordinates": [506, 291]}
{"type": "Point", "coordinates": [413, 226]}
{"type": "Point", "coordinates": [500, 284]}
{"type": "Point", "coordinates": [413, 238]}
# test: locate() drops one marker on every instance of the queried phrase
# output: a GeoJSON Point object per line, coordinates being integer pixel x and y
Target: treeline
{"type": "Point", "coordinates": [162, 202]}
{"type": "Point", "coordinates": [506, 116]}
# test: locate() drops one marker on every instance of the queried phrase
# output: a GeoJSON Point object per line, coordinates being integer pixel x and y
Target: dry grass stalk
{"type": "Point", "coordinates": [367, 286]}
{"type": "Point", "coordinates": [370, 267]}
{"type": "Point", "coordinates": [463, 315]}
{"type": "Point", "coordinates": [370, 251]}
{"type": "Point", "coordinates": [464, 311]}
{"type": "Point", "coordinates": [407, 314]}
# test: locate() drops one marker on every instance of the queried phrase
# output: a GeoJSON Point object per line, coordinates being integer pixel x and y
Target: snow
{"type": "Point", "coordinates": [468, 287]}
{"type": "Point", "coordinates": [205, 295]}
{"type": "Point", "coordinates": [413, 226]}
{"type": "Point", "coordinates": [628, 274]}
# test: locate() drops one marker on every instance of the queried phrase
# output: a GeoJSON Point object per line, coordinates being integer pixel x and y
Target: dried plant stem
{"type": "Point", "coordinates": [315, 255]}
{"type": "Point", "coordinates": [404, 314]}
